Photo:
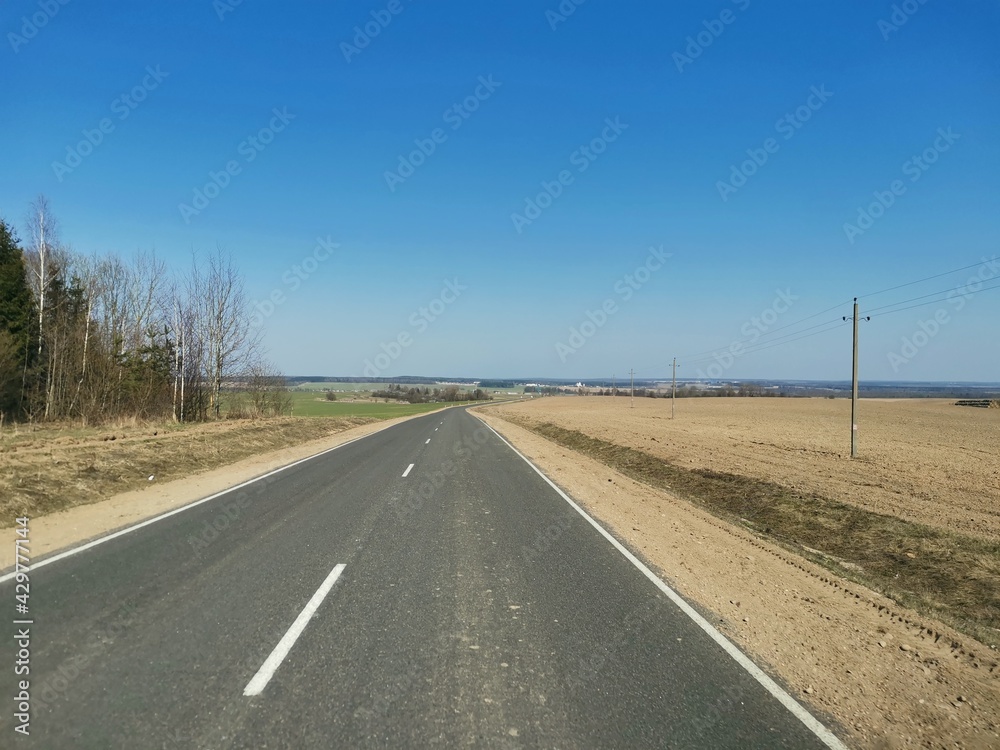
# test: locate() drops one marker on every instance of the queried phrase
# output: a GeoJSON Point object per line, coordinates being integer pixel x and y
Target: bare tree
{"type": "Point", "coordinates": [231, 343]}
{"type": "Point", "coordinates": [87, 271]}
{"type": "Point", "coordinates": [188, 358]}
{"type": "Point", "coordinates": [43, 240]}
{"type": "Point", "coordinates": [267, 390]}
{"type": "Point", "coordinates": [144, 282]}
{"type": "Point", "coordinates": [43, 258]}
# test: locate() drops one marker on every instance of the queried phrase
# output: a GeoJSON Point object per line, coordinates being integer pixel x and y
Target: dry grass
{"type": "Point", "coordinates": [54, 468]}
{"type": "Point", "coordinates": [948, 575]}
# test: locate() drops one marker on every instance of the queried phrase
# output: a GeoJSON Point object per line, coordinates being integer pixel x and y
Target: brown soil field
{"type": "Point", "coordinates": [881, 674]}
{"type": "Point", "coordinates": [922, 460]}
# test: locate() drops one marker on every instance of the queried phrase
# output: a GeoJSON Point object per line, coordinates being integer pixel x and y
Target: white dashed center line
{"type": "Point", "coordinates": [271, 664]}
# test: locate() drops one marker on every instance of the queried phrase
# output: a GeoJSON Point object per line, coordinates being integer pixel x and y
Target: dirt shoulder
{"type": "Point", "coordinates": [61, 529]}
{"type": "Point", "coordinates": [887, 676]}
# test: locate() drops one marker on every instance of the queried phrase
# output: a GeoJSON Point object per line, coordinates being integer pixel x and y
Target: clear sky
{"type": "Point", "coordinates": [496, 175]}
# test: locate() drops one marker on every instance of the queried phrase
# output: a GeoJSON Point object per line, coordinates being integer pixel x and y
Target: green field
{"type": "Point", "coordinates": [314, 405]}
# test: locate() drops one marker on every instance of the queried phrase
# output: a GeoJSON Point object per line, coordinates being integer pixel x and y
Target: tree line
{"type": "Point", "coordinates": [417, 395]}
{"type": "Point", "coordinates": [104, 338]}
{"type": "Point", "coordinates": [743, 390]}
{"type": "Point", "coordinates": [683, 391]}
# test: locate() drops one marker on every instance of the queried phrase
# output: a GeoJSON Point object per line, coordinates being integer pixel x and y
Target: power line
{"type": "Point", "coordinates": [750, 348]}
{"type": "Point", "coordinates": [689, 357]}
{"type": "Point", "coordinates": [925, 296]}
{"type": "Point", "coordinates": [775, 342]}
{"type": "Point", "coordinates": [920, 281]}
{"type": "Point", "coordinates": [924, 304]}
{"type": "Point", "coordinates": [834, 325]}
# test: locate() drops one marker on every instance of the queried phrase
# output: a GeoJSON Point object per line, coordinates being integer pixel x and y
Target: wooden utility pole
{"type": "Point", "coordinates": [673, 390]}
{"type": "Point", "coordinates": [854, 383]}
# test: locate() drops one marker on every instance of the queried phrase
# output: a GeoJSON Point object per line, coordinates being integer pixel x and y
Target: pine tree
{"type": "Point", "coordinates": [17, 315]}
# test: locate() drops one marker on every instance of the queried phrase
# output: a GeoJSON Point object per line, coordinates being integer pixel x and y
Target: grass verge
{"type": "Point", "coordinates": [53, 470]}
{"type": "Point", "coordinates": [946, 575]}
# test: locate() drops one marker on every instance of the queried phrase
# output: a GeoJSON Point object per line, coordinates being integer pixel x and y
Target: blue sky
{"type": "Point", "coordinates": [833, 100]}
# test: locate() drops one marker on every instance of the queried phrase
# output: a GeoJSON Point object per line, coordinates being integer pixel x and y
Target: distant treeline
{"type": "Point", "coordinates": [296, 380]}
{"type": "Point", "coordinates": [415, 395]}
{"type": "Point", "coordinates": [545, 390]}
{"type": "Point", "coordinates": [743, 390]}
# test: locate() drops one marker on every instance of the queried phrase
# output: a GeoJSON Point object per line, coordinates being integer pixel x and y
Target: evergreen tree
{"type": "Point", "coordinates": [17, 315]}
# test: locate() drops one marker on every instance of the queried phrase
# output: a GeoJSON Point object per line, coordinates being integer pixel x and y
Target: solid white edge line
{"type": "Point", "coordinates": [408, 470]}
{"type": "Point", "coordinates": [175, 511]}
{"type": "Point", "coordinates": [797, 709]}
{"type": "Point", "coordinates": [259, 681]}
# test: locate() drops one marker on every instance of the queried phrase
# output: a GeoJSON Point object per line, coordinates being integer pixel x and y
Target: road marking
{"type": "Point", "coordinates": [408, 468]}
{"type": "Point", "coordinates": [797, 709]}
{"type": "Point", "coordinates": [175, 511]}
{"type": "Point", "coordinates": [435, 429]}
{"type": "Point", "coordinates": [259, 681]}
{"type": "Point", "coordinates": [427, 441]}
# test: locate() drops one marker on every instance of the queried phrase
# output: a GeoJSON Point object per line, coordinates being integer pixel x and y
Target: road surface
{"type": "Point", "coordinates": [420, 587]}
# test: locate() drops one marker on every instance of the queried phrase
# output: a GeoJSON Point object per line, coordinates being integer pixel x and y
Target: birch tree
{"type": "Point", "coordinates": [43, 238]}
{"type": "Point", "coordinates": [231, 342]}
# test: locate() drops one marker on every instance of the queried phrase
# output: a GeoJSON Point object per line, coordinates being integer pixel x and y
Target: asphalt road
{"type": "Point", "coordinates": [475, 607]}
